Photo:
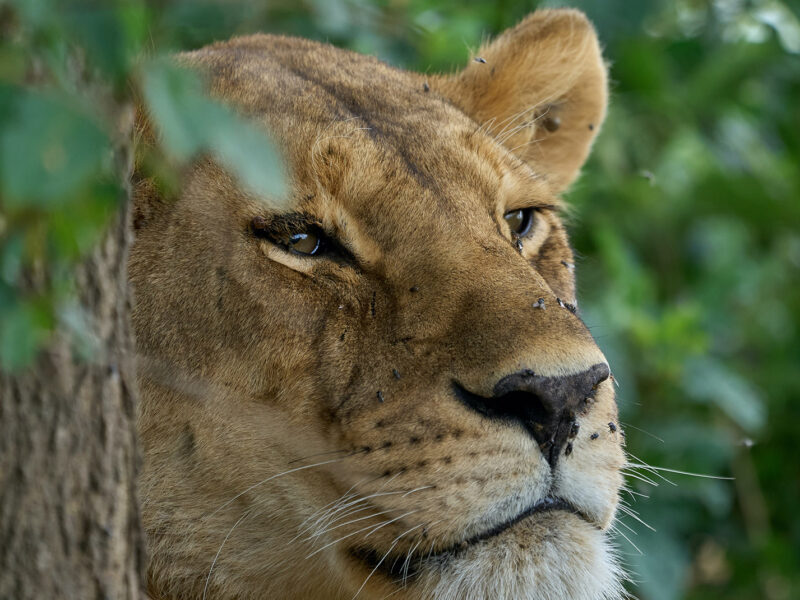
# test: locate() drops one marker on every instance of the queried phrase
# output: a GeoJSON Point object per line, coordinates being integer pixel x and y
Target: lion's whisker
{"type": "Point", "coordinates": [324, 531]}
{"type": "Point", "coordinates": [333, 507]}
{"type": "Point", "coordinates": [626, 526]}
{"type": "Point", "coordinates": [376, 568]}
{"type": "Point", "coordinates": [501, 139]}
{"type": "Point", "coordinates": [296, 460]}
{"type": "Point", "coordinates": [633, 493]}
{"type": "Point", "coordinates": [394, 543]}
{"type": "Point", "coordinates": [333, 517]}
{"type": "Point", "coordinates": [263, 481]}
{"type": "Point", "coordinates": [391, 479]}
{"type": "Point", "coordinates": [634, 515]}
{"type": "Point", "coordinates": [397, 591]}
{"type": "Point", "coordinates": [363, 499]}
{"type": "Point", "coordinates": [628, 466]}
{"type": "Point", "coordinates": [336, 541]}
{"type": "Point", "coordinates": [679, 472]}
{"type": "Point", "coordinates": [502, 135]}
{"type": "Point", "coordinates": [644, 431]}
{"type": "Point", "coordinates": [411, 512]}
{"type": "Point", "coordinates": [616, 530]}
{"type": "Point", "coordinates": [322, 512]}
{"type": "Point", "coordinates": [430, 552]}
{"type": "Point", "coordinates": [643, 465]}
{"type": "Point", "coordinates": [216, 556]}
{"type": "Point", "coordinates": [419, 489]}
{"type": "Point", "coordinates": [326, 511]}
{"type": "Point", "coordinates": [508, 121]}
{"type": "Point", "coordinates": [409, 531]}
{"type": "Point", "coordinates": [640, 477]}
{"type": "Point", "coordinates": [407, 561]}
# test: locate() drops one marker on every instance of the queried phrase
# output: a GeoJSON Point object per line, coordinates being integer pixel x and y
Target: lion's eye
{"type": "Point", "coordinates": [309, 243]}
{"type": "Point", "coordinates": [300, 238]}
{"type": "Point", "coordinates": [519, 221]}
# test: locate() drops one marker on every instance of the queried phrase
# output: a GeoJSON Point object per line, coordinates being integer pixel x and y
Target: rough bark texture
{"type": "Point", "coordinates": [69, 517]}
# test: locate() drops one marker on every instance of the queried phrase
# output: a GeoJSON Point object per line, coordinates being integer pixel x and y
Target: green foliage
{"type": "Point", "coordinates": [191, 124]}
{"type": "Point", "coordinates": [687, 218]}
{"type": "Point", "coordinates": [69, 73]}
{"type": "Point", "coordinates": [687, 224]}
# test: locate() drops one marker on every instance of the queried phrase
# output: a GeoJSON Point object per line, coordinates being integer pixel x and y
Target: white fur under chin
{"type": "Point", "coordinates": [561, 567]}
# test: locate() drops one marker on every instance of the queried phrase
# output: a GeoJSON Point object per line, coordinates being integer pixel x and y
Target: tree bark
{"type": "Point", "coordinates": [69, 515]}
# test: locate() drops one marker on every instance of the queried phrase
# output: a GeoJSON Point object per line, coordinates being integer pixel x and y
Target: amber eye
{"type": "Point", "coordinates": [519, 221]}
{"type": "Point", "coordinates": [309, 243]}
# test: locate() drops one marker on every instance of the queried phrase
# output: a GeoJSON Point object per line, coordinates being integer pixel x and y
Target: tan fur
{"type": "Point", "coordinates": [265, 438]}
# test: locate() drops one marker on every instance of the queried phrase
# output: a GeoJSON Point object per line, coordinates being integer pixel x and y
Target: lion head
{"type": "Point", "coordinates": [385, 389]}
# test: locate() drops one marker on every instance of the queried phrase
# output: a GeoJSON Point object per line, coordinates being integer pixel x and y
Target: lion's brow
{"type": "Point", "coordinates": [288, 222]}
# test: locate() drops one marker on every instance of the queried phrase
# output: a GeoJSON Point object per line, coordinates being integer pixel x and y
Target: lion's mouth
{"type": "Point", "coordinates": [546, 504]}
{"type": "Point", "coordinates": [398, 567]}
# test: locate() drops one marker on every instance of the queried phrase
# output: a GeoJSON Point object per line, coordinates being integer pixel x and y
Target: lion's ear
{"type": "Point", "coordinates": [540, 88]}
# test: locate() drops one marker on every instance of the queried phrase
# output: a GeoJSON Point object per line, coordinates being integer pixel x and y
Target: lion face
{"type": "Point", "coordinates": [384, 389]}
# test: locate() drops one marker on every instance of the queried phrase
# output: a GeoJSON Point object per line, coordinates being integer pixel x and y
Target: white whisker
{"type": "Point", "coordinates": [390, 522]}
{"type": "Point", "coordinates": [375, 569]}
{"type": "Point", "coordinates": [324, 531]}
{"type": "Point", "coordinates": [214, 562]}
{"type": "Point", "coordinates": [332, 514]}
{"type": "Point", "coordinates": [263, 481]}
{"type": "Point", "coordinates": [678, 472]}
{"type": "Point", "coordinates": [640, 477]}
{"type": "Point", "coordinates": [613, 528]}
{"type": "Point", "coordinates": [394, 543]}
{"type": "Point", "coordinates": [652, 435]}
{"type": "Point", "coordinates": [344, 537]}
{"type": "Point", "coordinates": [419, 489]}
{"type": "Point", "coordinates": [634, 515]}
{"type": "Point", "coordinates": [626, 526]}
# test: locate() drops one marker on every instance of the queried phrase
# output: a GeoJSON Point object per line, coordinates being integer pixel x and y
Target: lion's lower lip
{"type": "Point", "coordinates": [390, 567]}
{"type": "Point", "coordinates": [546, 504]}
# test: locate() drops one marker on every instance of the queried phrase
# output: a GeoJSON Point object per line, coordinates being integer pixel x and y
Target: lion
{"type": "Point", "coordinates": [384, 389]}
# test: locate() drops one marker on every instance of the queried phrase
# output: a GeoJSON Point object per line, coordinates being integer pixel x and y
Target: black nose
{"type": "Point", "coordinates": [545, 406]}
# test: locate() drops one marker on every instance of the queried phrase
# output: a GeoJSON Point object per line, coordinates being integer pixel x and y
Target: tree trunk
{"type": "Point", "coordinates": [69, 515]}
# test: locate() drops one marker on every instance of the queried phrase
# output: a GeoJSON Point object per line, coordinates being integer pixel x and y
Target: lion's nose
{"type": "Point", "coordinates": [545, 405]}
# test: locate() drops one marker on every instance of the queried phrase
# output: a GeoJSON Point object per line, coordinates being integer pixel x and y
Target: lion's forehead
{"type": "Point", "coordinates": [343, 115]}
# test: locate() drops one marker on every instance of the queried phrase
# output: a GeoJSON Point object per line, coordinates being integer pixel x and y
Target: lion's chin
{"type": "Point", "coordinates": [550, 556]}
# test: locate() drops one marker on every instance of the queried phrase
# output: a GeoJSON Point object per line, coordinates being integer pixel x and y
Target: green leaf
{"type": "Point", "coordinates": [708, 380]}
{"type": "Point", "coordinates": [171, 94]}
{"type": "Point", "coordinates": [22, 330]}
{"type": "Point", "coordinates": [34, 12]}
{"type": "Point", "coordinates": [11, 254]}
{"type": "Point", "coordinates": [100, 32]}
{"type": "Point", "coordinates": [190, 123]}
{"type": "Point", "coordinates": [246, 151]}
{"type": "Point", "coordinates": [73, 231]}
{"type": "Point", "coordinates": [48, 149]}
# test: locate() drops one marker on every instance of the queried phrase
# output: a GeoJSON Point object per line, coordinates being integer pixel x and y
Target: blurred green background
{"type": "Point", "coordinates": [686, 223]}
